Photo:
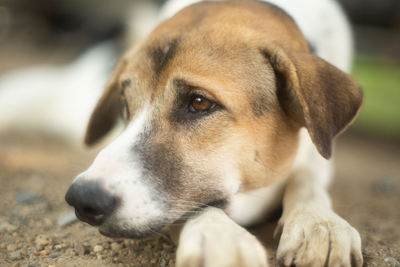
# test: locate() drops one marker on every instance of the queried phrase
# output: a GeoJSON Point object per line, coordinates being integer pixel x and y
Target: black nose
{"type": "Point", "coordinates": [92, 204]}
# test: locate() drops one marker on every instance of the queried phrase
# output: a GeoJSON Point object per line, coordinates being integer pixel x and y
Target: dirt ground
{"type": "Point", "coordinates": [35, 172]}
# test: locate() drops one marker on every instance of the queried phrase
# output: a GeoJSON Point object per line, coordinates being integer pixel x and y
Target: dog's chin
{"type": "Point", "coordinates": [132, 233]}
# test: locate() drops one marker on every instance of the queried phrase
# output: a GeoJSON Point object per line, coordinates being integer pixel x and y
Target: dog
{"type": "Point", "coordinates": [230, 111]}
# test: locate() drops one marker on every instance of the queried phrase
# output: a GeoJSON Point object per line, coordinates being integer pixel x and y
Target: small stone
{"type": "Point", "coordinates": [4, 226]}
{"type": "Point", "coordinates": [42, 240]}
{"type": "Point", "coordinates": [98, 249]}
{"type": "Point", "coordinates": [163, 262]}
{"type": "Point", "coordinates": [23, 251]}
{"type": "Point", "coordinates": [16, 264]}
{"type": "Point", "coordinates": [55, 255]}
{"type": "Point", "coordinates": [16, 255]}
{"type": "Point", "coordinates": [116, 247]}
{"type": "Point", "coordinates": [392, 261]}
{"type": "Point", "coordinates": [27, 198]}
{"type": "Point", "coordinates": [51, 265]}
{"type": "Point", "coordinates": [67, 219]}
{"type": "Point", "coordinates": [99, 257]}
{"type": "Point", "coordinates": [44, 253]}
{"type": "Point", "coordinates": [70, 252]}
{"type": "Point", "coordinates": [82, 249]}
{"type": "Point", "coordinates": [3, 246]}
{"type": "Point", "coordinates": [11, 228]}
{"type": "Point", "coordinates": [106, 245]}
{"type": "Point", "coordinates": [11, 247]}
{"type": "Point", "coordinates": [34, 264]}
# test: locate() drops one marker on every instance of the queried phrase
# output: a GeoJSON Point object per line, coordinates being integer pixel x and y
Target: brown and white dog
{"type": "Point", "coordinates": [228, 115]}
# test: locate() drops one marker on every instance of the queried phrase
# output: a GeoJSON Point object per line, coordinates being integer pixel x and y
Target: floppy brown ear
{"type": "Point", "coordinates": [105, 114]}
{"type": "Point", "coordinates": [315, 94]}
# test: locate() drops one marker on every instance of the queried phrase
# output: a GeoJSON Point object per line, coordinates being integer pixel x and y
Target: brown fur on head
{"type": "Point", "coordinates": [253, 63]}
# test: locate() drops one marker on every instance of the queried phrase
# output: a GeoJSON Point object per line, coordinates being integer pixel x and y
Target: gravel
{"type": "Point", "coordinates": [42, 240]}
{"type": "Point", "coordinates": [44, 253]}
{"type": "Point", "coordinates": [7, 227]}
{"type": "Point", "coordinates": [392, 261]}
{"type": "Point", "coordinates": [81, 249]}
{"type": "Point", "coordinates": [97, 249]}
{"type": "Point", "coordinates": [11, 247]}
{"type": "Point", "coordinates": [40, 237]}
{"type": "Point", "coordinates": [16, 255]}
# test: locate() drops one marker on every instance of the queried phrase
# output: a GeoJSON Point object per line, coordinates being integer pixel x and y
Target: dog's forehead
{"type": "Point", "coordinates": [215, 43]}
{"type": "Point", "coordinates": [247, 20]}
{"type": "Point", "coordinates": [219, 24]}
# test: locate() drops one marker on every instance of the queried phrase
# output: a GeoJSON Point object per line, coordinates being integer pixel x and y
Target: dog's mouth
{"type": "Point", "coordinates": [111, 228]}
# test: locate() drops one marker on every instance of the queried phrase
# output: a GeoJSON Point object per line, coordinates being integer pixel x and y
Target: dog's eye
{"type": "Point", "coordinates": [199, 103]}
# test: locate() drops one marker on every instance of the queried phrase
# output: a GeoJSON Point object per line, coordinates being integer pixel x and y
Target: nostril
{"type": "Point", "coordinates": [92, 204]}
{"type": "Point", "coordinates": [90, 215]}
{"type": "Point", "coordinates": [91, 211]}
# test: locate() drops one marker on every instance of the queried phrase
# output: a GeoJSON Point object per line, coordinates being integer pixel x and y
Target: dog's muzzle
{"type": "Point", "coordinates": [92, 204]}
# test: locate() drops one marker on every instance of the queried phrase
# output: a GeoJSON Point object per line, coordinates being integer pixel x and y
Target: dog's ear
{"type": "Point", "coordinates": [315, 94]}
{"type": "Point", "coordinates": [105, 114]}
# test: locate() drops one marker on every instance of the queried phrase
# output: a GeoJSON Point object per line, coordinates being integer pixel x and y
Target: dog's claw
{"type": "Point", "coordinates": [313, 237]}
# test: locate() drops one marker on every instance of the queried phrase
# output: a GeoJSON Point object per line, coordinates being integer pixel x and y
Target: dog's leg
{"type": "Point", "coordinates": [312, 233]}
{"type": "Point", "coordinates": [212, 239]}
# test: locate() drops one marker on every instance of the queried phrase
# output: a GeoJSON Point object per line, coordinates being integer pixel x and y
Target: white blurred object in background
{"type": "Point", "coordinates": [56, 99]}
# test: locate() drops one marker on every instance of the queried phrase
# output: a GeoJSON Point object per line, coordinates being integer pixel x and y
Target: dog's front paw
{"type": "Point", "coordinates": [214, 240]}
{"type": "Point", "coordinates": [316, 236]}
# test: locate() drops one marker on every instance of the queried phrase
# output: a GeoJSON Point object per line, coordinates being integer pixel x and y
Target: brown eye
{"type": "Point", "coordinates": [200, 104]}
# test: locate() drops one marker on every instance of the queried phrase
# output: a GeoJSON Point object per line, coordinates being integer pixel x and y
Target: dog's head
{"type": "Point", "coordinates": [213, 101]}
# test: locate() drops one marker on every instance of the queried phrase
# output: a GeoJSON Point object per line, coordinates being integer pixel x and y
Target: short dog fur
{"type": "Point", "coordinates": [228, 115]}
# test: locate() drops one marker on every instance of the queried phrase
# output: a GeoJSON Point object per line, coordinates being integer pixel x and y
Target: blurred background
{"type": "Point", "coordinates": [56, 31]}
{"type": "Point", "coordinates": [36, 170]}
{"type": "Point", "coordinates": [376, 25]}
